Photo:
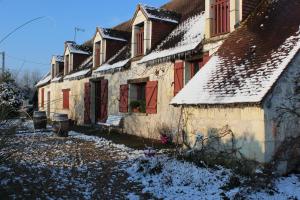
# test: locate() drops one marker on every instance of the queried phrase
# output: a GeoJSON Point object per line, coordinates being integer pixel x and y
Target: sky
{"type": "Point", "coordinates": [31, 48]}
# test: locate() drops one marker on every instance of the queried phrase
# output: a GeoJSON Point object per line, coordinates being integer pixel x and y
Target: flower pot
{"type": "Point", "coordinates": [136, 110]}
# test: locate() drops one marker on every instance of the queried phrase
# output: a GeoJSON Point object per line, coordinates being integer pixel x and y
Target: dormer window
{"type": "Point", "coordinates": [53, 73]}
{"type": "Point", "coordinates": [140, 40]}
{"type": "Point", "coordinates": [149, 27]}
{"type": "Point", "coordinates": [97, 53]}
{"type": "Point", "coordinates": [221, 17]}
{"type": "Point", "coordinates": [106, 43]}
{"type": "Point", "coordinates": [75, 55]}
{"type": "Point", "coordinates": [67, 65]}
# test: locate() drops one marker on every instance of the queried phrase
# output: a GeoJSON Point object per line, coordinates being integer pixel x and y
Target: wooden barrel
{"type": "Point", "coordinates": [61, 124]}
{"type": "Point", "coordinates": [39, 120]}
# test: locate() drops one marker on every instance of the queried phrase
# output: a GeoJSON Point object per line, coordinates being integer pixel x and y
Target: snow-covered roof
{"type": "Point", "coordinates": [56, 79]}
{"type": "Point", "coordinates": [111, 68]}
{"type": "Point", "coordinates": [160, 14]}
{"type": "Point", "coordinates": [112, 34]}
{"type": "Point", "coordinates": [116, 62]}
{"type": "Point", "coordinates": [186, 37]}
{"type": "Point", "coordinates": [250, 60]}
{"type": "Point", "coordinates": [45, 80]}
{"type": "Point", "coordinates": [84, 69]}
{"type": "Point", "coordinates": [77, 75]}
{"type": "Point", "coordinates": [58, 58]}
{"type": "Point", "coordinates": [74, 48]}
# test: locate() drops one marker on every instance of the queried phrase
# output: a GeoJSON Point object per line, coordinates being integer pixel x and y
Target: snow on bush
{"type": "Point", "coordinates": [10, 95]}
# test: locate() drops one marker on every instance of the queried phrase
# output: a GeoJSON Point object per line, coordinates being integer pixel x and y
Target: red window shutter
{"type": "Point", "coordinates": [221, 22]}
{"type": "Point", "coordinates": [66, 98]}
{"type": "Point", "coordinates": [205, 59]}
{"type": "Point", "coordinates": [178, 77]}
{"type": "Point", "coordinates": [140, 41]}
{"type": "Point", "coordinates": [151, 97]}
{"type": "Point", "coordinates": [123, 105]}
{"type": "Point", "coordinates": [42, 97]}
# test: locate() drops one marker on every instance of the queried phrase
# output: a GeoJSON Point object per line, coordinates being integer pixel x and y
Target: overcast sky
{"type": "Point", "coordinates": [38, 41]}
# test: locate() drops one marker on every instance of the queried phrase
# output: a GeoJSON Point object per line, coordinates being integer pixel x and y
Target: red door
{"type": "Point", "coordinates": [101, 100]}
{"type": "Point", "coordinates": [87, 103]}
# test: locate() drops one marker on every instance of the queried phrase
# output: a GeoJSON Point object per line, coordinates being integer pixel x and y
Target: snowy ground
{"type": "Point", "coordinates": [88, 167]}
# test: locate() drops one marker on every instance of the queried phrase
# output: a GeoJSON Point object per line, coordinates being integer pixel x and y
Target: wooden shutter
{"type": "Point", "coordinates": [178, 77]}
{"type": "Point", "coordinates": [103, 99]}
{"type": "Point", "coordinates": [221, 10]}
{"type": "Point", "coordinates": [151, 97]}
{"type": "Point", "coordinates": [87, 103]}
{"type": "Point", "coordinates": [66, 98]}
{"type": "Point", "coordinates": [42, 97]}
{"type": "Point", "coordinates": [97, 55]}
{"type": "Point", "coordinates": [140, 41]}
{"type": "Point", "coordinates": [123, 105]}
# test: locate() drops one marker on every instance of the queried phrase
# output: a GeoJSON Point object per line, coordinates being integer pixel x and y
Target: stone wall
{"type": "Point", "coordinates": [282, 96]}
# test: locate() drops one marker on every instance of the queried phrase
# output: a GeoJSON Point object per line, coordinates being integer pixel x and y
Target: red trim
{"type": "Point", "coordinates": [151, 97]}
{"type": "Point", "coordinates": [140, 42]}
{"type": "Point", "coordinates": [221, 21]}
{"type": "Point", "coordinates": [178, 77]}
{"type": "Point", "coordinates": [66, 98]}
{"type": "Point", "coordinates": [123, 105]}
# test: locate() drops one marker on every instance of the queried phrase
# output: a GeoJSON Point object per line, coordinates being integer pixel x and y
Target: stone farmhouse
{"type": "Point", "coordinates": [203, 64]}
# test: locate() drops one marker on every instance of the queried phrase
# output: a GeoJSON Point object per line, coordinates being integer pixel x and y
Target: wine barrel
{"type": "Point", "coordinates": [39, 120]}
{"type": "Point", "coordinates": [61, 124]}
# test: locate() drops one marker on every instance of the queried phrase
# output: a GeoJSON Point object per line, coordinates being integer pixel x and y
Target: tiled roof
{"type": "Point", "coordinates": [250, 60]}
{"type": "Point", "coordinates": [113, 34]}
{"type": "Point", "coordinates": [83, 70]}
{"type": "Point", "coordinates": [117, 62]}
{"type": "Point", "coordinates": [184, 38]}
{"type": "Point", "coordinates": [78, 49]}
{"type": "Point", "coordinates": [58, 58]}
{"type": "Point", "coordinates": [160, 14]}
{"type": "Point", "coordinates": [45, 80]}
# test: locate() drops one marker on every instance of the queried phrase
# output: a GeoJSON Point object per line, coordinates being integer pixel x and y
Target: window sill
{"type": "Point", "coordinates": [138, 114]}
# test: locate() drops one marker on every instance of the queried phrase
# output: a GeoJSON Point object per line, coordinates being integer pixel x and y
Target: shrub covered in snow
{"type": "Point", "coordinates": [10, 97]}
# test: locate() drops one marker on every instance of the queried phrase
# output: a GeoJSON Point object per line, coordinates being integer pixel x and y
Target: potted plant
{"type": "Point", "coordinates": [166, 134]}
{"type": "Point", "coordinates": [135, 106]}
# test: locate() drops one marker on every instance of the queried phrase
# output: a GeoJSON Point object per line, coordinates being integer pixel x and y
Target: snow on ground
{"type": "Point", "coordinates": [89, 167]}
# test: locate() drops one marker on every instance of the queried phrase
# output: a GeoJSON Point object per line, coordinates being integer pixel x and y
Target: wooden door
{"type": "Point", "coordinates": [103, 100]}
{"type": "Point", "coordinates": [48, 104]}
{"type": "Point", "coordinates": [101, 89]}
{"type": "Point", "coordinates": [87, 103]}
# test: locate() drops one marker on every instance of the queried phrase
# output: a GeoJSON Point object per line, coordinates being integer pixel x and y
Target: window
{"type": "Point", "coordinates": [143, 97]}
{"type": "Point", "coordinates": [66, 98]}
{"type": "Point", "coordinates": [67, 64]}
{"type": "Point", "coordinates": [42, 97]}
{"type": "Point", "coordinates": [97, 54]}
{"type": "Point", "coordinates": [221, 20]}
{"type": "Point", "coordinates": [140, 40]}
{"type": "Point", "coordinates": [53, 71]}
{"type": "Point", "coordinates": [195, 67]}
{"type": "Point", "coordinates": [61, 67]}
{"type": "Point", "coordinates": [138, 97]}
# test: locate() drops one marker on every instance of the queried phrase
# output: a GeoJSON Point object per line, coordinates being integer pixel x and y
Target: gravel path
{"type": "Point", "coordinates": [43, 166]}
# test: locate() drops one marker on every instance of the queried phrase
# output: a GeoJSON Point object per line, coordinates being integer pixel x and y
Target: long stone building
{"type": "Point", "coordinates": [200, 64]}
